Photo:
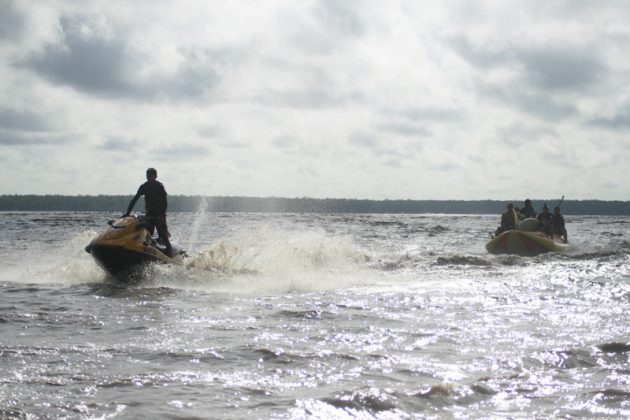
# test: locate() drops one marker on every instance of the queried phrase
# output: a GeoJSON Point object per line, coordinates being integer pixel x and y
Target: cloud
{"type": "Point", "coordinates": [427, 114]}
{"type": "Point", "coordinates": [97, 62]}
{"type": "Point", "coordinates": [541, 80]}
{"type": "Point", "coordinates": [86, 62]}
{"type": "Point", "coordinates": [533, 102]}
{"type": "Point", "coordinates": [340, 17]}
{"type": "Point", "coordinates": [522, 135]}
{"type": "Point", "coordinates": [619, 122]}
{"type": "Point", "coordinates": [22, 139]}
{"type": "Point", "coordinates": [482, 57]}
{"type": "Point", "coordinates": [120, 144]}
{"type": "Point", "coordinates": [12, 22]}
{"type": "Point", "coordinates": [311, 96]}
{"type": "Point", "coordinates": [405, 129]}
{"type": "Point", "coordinates": [179, 152]}
{"type": "Point", "coordinates": [323, 98]}
{"type": "Point", "coordinates": [563, 67]}
{"type": "Point", "coordinates": [559, 66]}
{"type": "Point", "coordinates": [363, 139]}
{"type": "Point", "coordinates": [23, 120]}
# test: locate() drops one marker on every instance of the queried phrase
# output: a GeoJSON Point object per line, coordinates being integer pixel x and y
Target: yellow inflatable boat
{"type": "Point", "coordinates": [524, 243]}
{"type": "Point", "coordinates": [525, 240]}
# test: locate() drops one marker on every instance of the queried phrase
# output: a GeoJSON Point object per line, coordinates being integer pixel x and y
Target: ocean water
{"type": "Point", "coordinates": [315, 316]}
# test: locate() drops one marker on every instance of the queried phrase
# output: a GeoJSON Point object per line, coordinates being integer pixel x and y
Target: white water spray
{"type": "Point", "coordinates": [201, 216]}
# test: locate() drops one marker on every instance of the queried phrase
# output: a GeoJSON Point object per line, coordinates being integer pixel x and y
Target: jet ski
{"type": "Point", "coordinates": [127, 245]}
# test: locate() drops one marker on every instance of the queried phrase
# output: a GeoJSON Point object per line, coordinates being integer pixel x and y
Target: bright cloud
{"type": "Point", "coordinates": [320, 98]}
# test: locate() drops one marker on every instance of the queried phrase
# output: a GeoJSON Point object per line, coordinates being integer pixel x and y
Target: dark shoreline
{"type": "Point", "coordinates": [301, 205]}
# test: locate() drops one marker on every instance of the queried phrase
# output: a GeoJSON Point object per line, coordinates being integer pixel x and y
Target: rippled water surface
{"type": "Point", "coordinates": [315, 316]}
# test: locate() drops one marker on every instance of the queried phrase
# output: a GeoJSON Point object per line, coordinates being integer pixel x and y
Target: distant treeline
{"type": "Point", "coordinates": [118, 203]}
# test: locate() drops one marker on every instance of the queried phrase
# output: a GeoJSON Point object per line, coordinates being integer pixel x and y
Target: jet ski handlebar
{"type": "Point", "coordinates": [142, 223]}
{"type": "Point", "coordinates": [111, 223]}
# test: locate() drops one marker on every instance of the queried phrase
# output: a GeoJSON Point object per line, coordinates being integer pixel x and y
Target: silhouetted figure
{"type": "Point", "coordinates": [528, 210]}
{"type": "Point", "coordinates": [155, 204]}
{"type": "Point", "coordinates": [545, 221]}
{"type": "Point", "coordinates": [557, 222]}
{"type": "Point", "coordinates": [508, 220]}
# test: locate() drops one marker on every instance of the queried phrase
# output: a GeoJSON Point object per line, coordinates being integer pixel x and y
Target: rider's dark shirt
{"type": "Point", "coordinates": [155, 202]}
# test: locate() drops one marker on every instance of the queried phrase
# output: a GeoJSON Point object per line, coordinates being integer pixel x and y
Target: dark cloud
{"type": "Point", "coordinates": [532, 102]}
{"type": "Point", "coordinates": [87, 63]}
{"type": "Point", "coordinates": [23, 120]}
{"type": "Point", "coordinates": [560, 68]}
{"type": "Point", "coordinates": [12, 21]}
{"type": "Point", "coordinates": [619, 121]}
{"type": "Point", "coordinates": [105, 66]}
{"type": "Point", "coordinates": [26, 128]}
{"type": "Point", "coordinates": [120, 144]}
{"type": "Point", "coordinates": [18, 138]}
{"type": "Point", "coordinates": [555, 67]}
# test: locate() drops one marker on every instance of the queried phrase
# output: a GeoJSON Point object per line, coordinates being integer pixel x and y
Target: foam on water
{"type": "Point", "coordinates": [271, 261]}
{"type": "Point", "coordinates": [264, 261]}
{"type": "Point", "coordinates": [63, 262]}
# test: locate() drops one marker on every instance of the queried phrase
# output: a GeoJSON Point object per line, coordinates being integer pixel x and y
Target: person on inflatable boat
{"type": "Point", "coordinates": [557, 222]}
{"type": "Point", "coordinates": [528, 210]}
{"type": "Point", "coordinates": [508, 220]}
{"type": "Point", "coordinates": [545, 221]}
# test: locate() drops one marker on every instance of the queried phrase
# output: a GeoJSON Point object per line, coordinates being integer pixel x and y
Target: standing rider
{"type": "Point", "coordinates": [155, 204]}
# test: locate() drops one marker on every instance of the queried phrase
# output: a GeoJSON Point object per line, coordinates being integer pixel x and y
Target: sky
{"type": "Point", "coordinates": [374, 99]}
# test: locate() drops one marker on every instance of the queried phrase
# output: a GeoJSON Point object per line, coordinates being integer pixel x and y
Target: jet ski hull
{"type": "Point", "coordinates": [126, 246]}
{"type": "Point", "coordinates": [119, 261]}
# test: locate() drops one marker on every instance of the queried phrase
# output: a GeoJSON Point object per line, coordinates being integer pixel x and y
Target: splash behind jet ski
{"type": "Point", "coordinates": [126, 245]}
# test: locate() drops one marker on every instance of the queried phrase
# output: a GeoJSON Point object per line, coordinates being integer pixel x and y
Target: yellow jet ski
{"type": "Point", "coordinates": [127, 245]}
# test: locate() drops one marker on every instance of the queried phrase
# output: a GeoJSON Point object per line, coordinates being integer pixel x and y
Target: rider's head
{"type": "Point", "coordinates": [151, 174]}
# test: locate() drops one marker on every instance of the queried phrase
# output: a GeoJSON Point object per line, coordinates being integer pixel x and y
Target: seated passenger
{"type": "Point", "coordinates": [528, 211]}
{"type": "Point", "coordinates": [557, 222]}
{"type": "Point", "coordinates": [508, 221]}
{"type": "Point", "coordinates": [545, 221]}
